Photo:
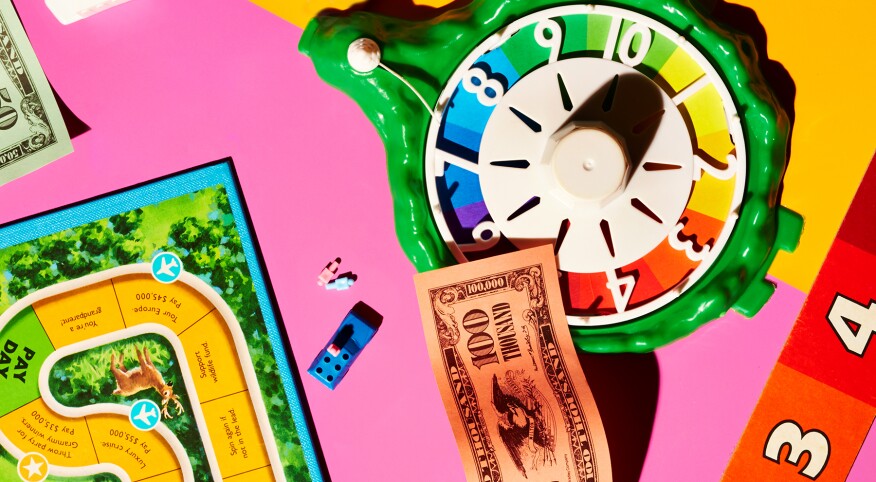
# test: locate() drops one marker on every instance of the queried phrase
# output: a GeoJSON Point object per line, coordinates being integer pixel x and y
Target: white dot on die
{"type": "Point", "coordinates": [364, 55]}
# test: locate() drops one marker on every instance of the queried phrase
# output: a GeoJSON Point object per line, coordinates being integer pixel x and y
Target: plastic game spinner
{"type": "Point", "coordinates": [636, 136]}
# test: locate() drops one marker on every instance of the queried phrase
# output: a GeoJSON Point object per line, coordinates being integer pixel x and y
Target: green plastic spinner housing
{"type": "Point", "coordinates": [427, 53]}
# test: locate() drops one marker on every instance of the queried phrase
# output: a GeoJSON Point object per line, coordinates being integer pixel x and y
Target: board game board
{"type": "Point", "coordinates": [139, 341]}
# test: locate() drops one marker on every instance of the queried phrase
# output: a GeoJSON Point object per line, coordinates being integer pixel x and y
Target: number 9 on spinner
{"type": "Point", "coordinates": [637, 137]}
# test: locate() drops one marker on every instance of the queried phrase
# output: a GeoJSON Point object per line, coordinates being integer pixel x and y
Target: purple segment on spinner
{"type": "Point", "coordinates": [471, 215]}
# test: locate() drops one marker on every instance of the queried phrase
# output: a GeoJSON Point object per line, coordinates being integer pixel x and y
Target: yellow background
{"type": "Point", "coordinates": [827, 49]}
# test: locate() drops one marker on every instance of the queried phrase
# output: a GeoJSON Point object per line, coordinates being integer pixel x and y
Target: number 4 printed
{"type": "Point", "coordinates": [844, 311]}
{"type": "Point", "coordinates": [621, 289]}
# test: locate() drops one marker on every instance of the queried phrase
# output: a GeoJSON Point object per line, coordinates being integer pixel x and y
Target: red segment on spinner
{"type": "Point", "coordinates": [831, 341]}
{"type": "Point", "coordinates": [661, 270]}
{"type": "Point", "coordinates": [672, 261]}
{"type": "Point", "coordinates": [801, 430]}
{"type": "Point", "coordinates": [586, 294]}
{"type": "Point", "coordinates": [647, 285]}
{"type": "Point", "coordinates": [669, 265]}
{"type": "Point", "coordinates": [594, 294]}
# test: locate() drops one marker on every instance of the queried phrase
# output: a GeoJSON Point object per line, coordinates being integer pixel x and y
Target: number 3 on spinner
{"type": "Point", "coordinates": [640, 144]}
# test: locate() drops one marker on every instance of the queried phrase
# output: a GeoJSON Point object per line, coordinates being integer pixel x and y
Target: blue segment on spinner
{"type": "Point", "coordinates": [500, 65]}
{"type": "Point", "coordinates": [466, 117]}
{"type": "Point", "coordinates": [468, 138]}
{"type": "Point", "coordinates": [467, 199]}
{"type": "Point", "coordinates": [468, 191]}
{"type": "Point", "coordinates": [464, 122]}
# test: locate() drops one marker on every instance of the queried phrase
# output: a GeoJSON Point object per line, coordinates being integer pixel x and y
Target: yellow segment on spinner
{"type": "Point", "coordinates": [80, 314]}
{"type": "Point", "coordinates": [680, 70]}
{"type": "Point", "coordinates": [717, 145]}
{"type": "Point", "coordinates": [706, 111]}
{"type": "Point", "coordinates": [712, 197]}
{"type": "Point", "coordinates": [144, 300]}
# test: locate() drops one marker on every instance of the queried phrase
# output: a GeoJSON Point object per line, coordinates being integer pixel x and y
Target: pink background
{"type": "Point", "coordinates": [167, 84]}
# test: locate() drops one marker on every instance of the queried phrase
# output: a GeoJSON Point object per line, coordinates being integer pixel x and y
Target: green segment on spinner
{"type": "Point", "coordinates": [588, 39]}
{"type": "Point", "coordinates": [611, 131]}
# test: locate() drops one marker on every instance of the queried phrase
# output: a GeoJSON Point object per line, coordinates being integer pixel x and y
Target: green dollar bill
{"type": "Point", "coordinates": [32, 131]}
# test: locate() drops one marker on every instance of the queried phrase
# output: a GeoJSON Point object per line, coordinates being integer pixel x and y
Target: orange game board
{"type": "Point", "coordinates": [820, 400]}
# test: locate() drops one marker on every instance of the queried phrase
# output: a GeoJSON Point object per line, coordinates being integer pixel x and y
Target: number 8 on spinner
{"type": "Point", "coordinates": [635, 136]}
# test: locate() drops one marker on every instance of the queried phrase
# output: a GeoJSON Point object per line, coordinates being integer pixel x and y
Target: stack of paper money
{"type": "Point", "coordinates": [508, 373]}
{"type": "Point", "coordinates": [32, 132]}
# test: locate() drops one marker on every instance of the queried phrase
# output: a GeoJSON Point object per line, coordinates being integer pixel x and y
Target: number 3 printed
{"type": "Point", "coordinates": [814, 442]}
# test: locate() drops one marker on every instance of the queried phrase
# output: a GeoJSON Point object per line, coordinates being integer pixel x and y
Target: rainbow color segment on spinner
{"type": "Point", "coordinates": [542, 53]}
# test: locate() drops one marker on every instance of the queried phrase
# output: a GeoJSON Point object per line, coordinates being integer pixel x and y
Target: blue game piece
{"type": "Point", "coordinates": [340, 284]}
{"type": "Point", "coordinates": [356, 330]}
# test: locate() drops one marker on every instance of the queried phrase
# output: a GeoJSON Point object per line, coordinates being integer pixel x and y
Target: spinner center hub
{"type": "Point", "coordinates": [605, 153]}
{"type": "Point", "coordinates": [589, 162]}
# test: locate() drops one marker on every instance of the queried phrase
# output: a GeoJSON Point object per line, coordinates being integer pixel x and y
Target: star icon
{"type": "Point", "coordinates": [33, 467]}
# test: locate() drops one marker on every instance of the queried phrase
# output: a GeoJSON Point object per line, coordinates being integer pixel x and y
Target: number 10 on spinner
{"type": "Point", "coordinates": [820, 400]}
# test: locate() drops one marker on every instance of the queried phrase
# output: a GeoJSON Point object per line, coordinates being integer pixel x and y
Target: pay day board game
{"type": "Point", "coordinates": [139, 341]}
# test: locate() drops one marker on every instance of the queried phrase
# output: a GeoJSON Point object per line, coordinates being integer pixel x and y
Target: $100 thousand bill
{"type": "Point", "coordinates": [509, 376]}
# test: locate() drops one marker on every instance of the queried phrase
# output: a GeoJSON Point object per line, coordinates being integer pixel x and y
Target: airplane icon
{"type": "Point", "coordinates": [145, 416]}
{"type": "Point", "coordinates": [166, 268]}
